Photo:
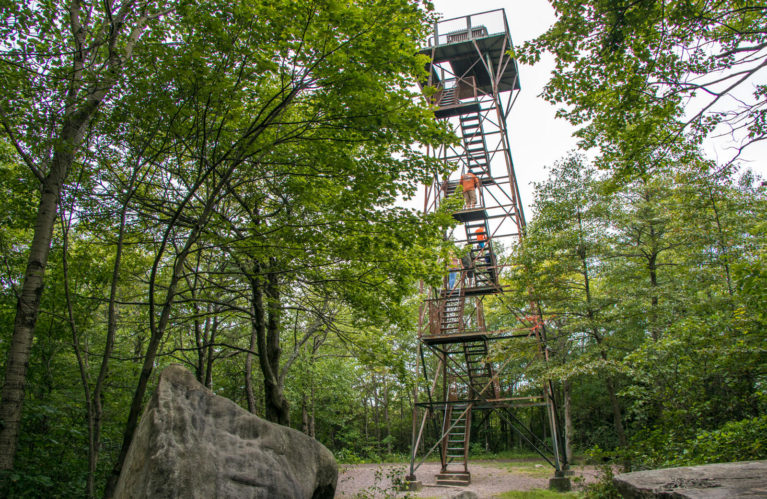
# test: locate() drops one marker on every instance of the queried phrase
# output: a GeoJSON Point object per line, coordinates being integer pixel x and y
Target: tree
{"type": "Point", "coordinates": [312, 131]}
{"type": "Point", "coordinates": [565, 247]}
{"type": "Point", "coordinates": [626, 72]}
{"type": "Point", "coordinates": [62, 59]}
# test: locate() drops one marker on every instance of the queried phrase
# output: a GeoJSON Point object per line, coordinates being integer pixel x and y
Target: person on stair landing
{"type": "Point", "coordinates": [470, 185]}
{"type": "Point", "coordinates": [468, 269]}
{"type": "Point", "coordinates": [481, 238]}
{"type": "Point", "coordinates": [455, 266]}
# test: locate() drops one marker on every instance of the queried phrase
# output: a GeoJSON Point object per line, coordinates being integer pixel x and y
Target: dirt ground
{"type": "Point", "coordinates": [488, 479]}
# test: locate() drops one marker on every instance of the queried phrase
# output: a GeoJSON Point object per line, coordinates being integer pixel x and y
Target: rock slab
{"type": "Point", "coordinates": [710, 481]}
{"type": "Point", "coordinates": [192, 443]}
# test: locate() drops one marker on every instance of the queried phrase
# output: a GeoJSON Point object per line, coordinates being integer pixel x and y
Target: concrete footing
{"type": "Point", "coordinates": [560, 482]}
{"type": "Point", "coordinates": [411, 484]}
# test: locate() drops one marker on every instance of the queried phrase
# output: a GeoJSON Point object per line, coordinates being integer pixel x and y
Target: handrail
{"type": "Point", "coordinates": [434, 39]}
{"type": "Point", "coordinates": [471, 15]}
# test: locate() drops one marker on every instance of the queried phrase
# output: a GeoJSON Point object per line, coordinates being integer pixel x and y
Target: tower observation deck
{"type": "Point", "coordinates": [473, 83]}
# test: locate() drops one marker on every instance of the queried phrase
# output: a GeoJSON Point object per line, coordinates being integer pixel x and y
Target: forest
{"type": "Point", "coordinates": [222, 185]}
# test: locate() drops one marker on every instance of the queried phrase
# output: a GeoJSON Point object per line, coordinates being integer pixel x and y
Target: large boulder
{"type": "Point", "coordinates": [724, 480]}
{"type": "Point", "coordinates": [191, 443]}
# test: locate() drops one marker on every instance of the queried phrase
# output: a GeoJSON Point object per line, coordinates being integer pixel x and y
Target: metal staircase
{"type": "Point", "coordinates": [473, 138]}
{"type": "Point", "coordinates": [456, 431]}
{"type": "Point", "coordinates": [451, 320]}
{"type": "Point", "coordinates": [482, 380]}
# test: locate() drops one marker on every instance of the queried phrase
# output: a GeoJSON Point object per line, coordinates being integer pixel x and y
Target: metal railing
{"type": "Point", "coordinates": [464, 28]}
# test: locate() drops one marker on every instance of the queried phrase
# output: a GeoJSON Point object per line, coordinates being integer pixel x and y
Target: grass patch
{"type": "Point", "coordinates": [507, 454]}
{"type": "Point", "coordinates": [537, 494]}
{"type": "Point", "coordinates": [533, 468]}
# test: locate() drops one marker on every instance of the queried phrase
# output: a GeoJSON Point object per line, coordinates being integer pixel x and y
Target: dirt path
{"type": "Point", "coordinates": [488, 479]}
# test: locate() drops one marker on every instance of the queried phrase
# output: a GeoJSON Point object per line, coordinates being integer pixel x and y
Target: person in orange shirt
{"type": "Point", "coordinates": [470, 184]}
{"type": "Point", "coordinates": [481, 236]}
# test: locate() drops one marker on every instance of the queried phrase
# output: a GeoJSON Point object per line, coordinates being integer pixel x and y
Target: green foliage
{"type": "Point", "coordinates": [623, 73]}
{"type": "Point", "coordinates": [279, 132]}
{"type": "Point", "coordinates": [285, 132]}
{"type": "Point", "coordinates": [735, 441]}
{"type": "Point", "coordinates": [603, 488]}
{"type": "Point", "coordinates": [649, 289]}
{"type": "Point", "coordinates": [53, 450]}
{"type": "Point", "coordinates": [388, 482]}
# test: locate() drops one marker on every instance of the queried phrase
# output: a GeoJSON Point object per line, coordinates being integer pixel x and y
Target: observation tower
{"type": "Point", "coordinates": [473, 82]}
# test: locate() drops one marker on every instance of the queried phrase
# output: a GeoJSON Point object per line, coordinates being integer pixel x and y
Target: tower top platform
{"type": "Point", "coordinates": [473, 47]}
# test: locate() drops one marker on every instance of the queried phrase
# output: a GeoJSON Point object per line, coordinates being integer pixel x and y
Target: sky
{"type": "Point", "coordinates": [537, 137]}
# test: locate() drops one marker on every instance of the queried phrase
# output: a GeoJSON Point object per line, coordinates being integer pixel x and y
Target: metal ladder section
{"type": "Point", "coordinates": [482, 383]}
{"type": "Point", "coordinates": [474, 144]}
{"type": "Point", "coordinates": [449, 97]}
{"type": "Point", "coordinates": [451, 320]}
{"type": "Point", "coordinates": [483, 257]}
{"type": "Point", "coordinates": [456, 430]}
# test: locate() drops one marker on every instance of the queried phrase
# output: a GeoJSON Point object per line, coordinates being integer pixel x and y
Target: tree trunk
{"type": "Point", "coordinates": [722, 241]}
{"type": "Point", "coordinates": [312, 428]}
{"type": "Point", "coordinates": [376, 418]}
{"type": "Point", "coordinates": [617, 420]}
{"type": "Point", "coordinates": [98, 408]}
{"type": "Point", "coordinates": [157, 329]}
{"type": "Point", "coordinates": [276, 408]}
{"type": "Point", "coordinates": [211, 350]}
{"type": "Point", "coordinates": [28, 307]}
{"type": "Point", "coordinates": [652, 268]}
{"type": "Point", "coordinates": [82, 362]}
{"type": "Point", "coordinates": [249, 371]}
{"type": "Point", "coordinates": [591, 314]}
{"type": "Point", "coordinates": [277, 404]}
{"type": "Point", "coordinates": [386, 415]}
{"type": "Point", "coordinates": [568, 421]}
{"type": "Point", "coordinates": [304, 416]}
{"type": "Point", "coordinates": [78, 114]}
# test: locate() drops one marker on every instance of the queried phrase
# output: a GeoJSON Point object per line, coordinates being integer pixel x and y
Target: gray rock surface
{"type": "Point", "coordinates": [466, 494]}
{"type": "Point", "coordinates": [711, 481]}
{"type": "Point", "coordinates": [192, 443]}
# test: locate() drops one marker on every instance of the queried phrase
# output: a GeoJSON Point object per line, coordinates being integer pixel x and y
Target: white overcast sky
{"type": "Point", "coordinates": [538, 138]}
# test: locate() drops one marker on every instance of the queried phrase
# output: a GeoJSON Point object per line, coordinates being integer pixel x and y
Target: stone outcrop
{"type": "Point", "coordinates": [192, 443]}
{"type": "Point", "coordinates": [711, 481]}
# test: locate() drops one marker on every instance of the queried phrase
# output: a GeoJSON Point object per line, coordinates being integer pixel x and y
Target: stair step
{"type": "Point", "coordinates": [454, 475]}
{"type": "Point", "coordinates": [460, 483]}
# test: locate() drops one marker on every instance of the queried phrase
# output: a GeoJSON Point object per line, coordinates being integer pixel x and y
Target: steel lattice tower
{"type": "Point", "coordinates": [475, 82]}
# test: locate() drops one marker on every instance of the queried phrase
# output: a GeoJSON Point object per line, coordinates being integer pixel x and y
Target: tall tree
{"type": "Point", "coordinates": [626, 72]}
{"type": "Point", "coordinates": [564, 248]}
{"type": "Point", "coordinates": [277, 134]}
{"type": "Point", "coordinates": [62, 59]}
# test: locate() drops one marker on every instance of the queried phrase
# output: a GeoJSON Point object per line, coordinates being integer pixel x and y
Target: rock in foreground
{"type": "Point", "coordinates": [191, 443]}
{"type": "Point", "coordinates": [712, 481]}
